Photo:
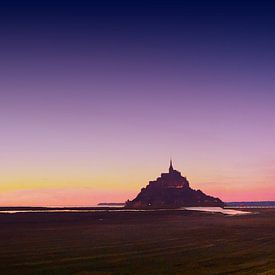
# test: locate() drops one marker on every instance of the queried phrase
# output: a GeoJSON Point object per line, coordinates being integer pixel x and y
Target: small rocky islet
{"type": "Point", "coordinates": [171, 190]}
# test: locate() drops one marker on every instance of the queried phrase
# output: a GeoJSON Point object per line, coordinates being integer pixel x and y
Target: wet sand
{"type": "Point", "coordinates": [160, 242]}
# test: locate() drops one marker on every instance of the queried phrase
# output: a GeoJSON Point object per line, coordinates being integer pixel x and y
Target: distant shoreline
{"type": "Point", "coordinates": [246, 204]}
{"type": "Point", "coordinates": [111, 203]}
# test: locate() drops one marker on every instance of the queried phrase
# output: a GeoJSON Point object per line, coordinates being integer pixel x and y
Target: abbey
{"type": "Point", "coordinates": [173, 179]}
{"type": "Point", "coordinates": [171, 190]}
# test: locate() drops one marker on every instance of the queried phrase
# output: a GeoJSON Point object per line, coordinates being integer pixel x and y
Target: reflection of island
{"type": "Point", "coordinates": [171, 190]}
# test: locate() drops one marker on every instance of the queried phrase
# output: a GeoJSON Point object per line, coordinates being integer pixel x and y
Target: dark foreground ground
{"type": "Point", "coordinates": [164, 242]}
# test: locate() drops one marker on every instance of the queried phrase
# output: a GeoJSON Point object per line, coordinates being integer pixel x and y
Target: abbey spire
{"type": "Point", "coordinates": [171, 169]}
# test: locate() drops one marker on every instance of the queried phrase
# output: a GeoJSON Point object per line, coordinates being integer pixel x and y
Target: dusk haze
{"type": "Point", "coordinates": [96, 98]}
{"type": "Point", "coordinates": [137, 137]}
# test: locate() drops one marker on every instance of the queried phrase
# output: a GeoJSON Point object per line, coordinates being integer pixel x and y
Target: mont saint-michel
{"type": "Point", "coordinates": [171, 190]}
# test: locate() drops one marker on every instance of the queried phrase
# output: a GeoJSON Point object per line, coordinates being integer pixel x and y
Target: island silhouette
{"type": "Point", "coordinates": [171, 190]}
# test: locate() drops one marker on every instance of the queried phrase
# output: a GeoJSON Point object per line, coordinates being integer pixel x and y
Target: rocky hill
{"type": "Point", "coordinates": [171, 190]}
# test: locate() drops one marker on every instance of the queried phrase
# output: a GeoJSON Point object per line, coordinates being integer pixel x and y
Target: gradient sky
{"type": "Point", "coordinates": [95, 98]}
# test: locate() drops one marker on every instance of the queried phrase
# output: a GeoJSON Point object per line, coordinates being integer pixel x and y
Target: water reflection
{"type": "Point", "coordinates": [203, 209]}
{"type": "Point", "coordinates": [218, 210]}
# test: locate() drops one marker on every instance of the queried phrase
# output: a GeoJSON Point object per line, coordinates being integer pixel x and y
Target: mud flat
{"type": "Point", "coordinates": [155, 242]}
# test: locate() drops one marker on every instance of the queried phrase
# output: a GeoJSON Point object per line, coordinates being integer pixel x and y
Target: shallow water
{"type": "Point", "coordinates": [218, 210]}
{"type": "Point", "coordinates": [202, 209]}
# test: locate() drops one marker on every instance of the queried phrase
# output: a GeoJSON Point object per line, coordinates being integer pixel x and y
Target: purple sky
{"type": "Point", "coordinates": [94, 102]}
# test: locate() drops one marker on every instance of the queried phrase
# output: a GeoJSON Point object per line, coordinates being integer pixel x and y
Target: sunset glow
{"type": "Point", "coordinates": [92, 109]}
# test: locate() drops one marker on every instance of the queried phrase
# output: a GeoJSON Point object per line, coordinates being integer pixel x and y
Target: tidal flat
{"type": "Point", "coordinates": [160, 242]}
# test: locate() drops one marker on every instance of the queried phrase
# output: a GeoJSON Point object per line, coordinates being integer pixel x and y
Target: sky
{"type": "Point", "coordinates": [96, 98]}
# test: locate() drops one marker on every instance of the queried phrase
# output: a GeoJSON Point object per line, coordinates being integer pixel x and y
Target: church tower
{"type": "Point", "coordinates": [171, 169]}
